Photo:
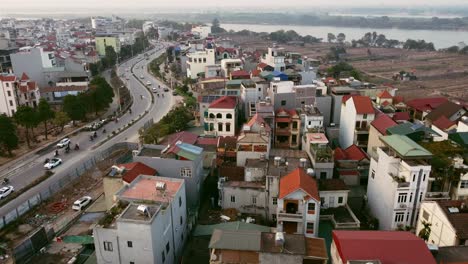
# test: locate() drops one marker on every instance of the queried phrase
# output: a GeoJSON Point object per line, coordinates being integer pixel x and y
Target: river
{"type": "Point", "coordinates": [440, 38]}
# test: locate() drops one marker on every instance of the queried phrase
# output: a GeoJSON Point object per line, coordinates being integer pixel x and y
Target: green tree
{"type": "Point", "coordinates": [425, 232]}
{"type": "Point", "coordinates": [341, 37]}
{"type": "Point", "coordinates": [8, 137]}
{"type": "Point", "coordinates": [45, 114]}
{"type": "Point", "coordinates": [111, 56]}
{"type": "Point", "coordinates": [61, 119]}
{"type": "Point", "coordinates": [74, 108]}
{"type": "Point", "coordinates": [331, 37]}
{"type": "Point", "coordinates": [26, 116]}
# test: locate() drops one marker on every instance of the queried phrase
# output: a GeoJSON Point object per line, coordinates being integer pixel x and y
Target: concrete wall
{"type": "Point", "coordinates": [254, 174]}
{"type": "Point", "coordinates": [102, 235]}
{"type": "Point", "coordinates": [329, 199]}
{"type": "Point", "coordinates": [442, 233]}
{"type": "Point", "coordinates": [374, 141]}
{"type": "Point", "coordinates": [30, 63]}
{"type": "Point", "coordinates": [244, 200]}
{"type": "Point", "coordinates": [324, 104]}
{"type": "Point", "coordinates": [144, 249]}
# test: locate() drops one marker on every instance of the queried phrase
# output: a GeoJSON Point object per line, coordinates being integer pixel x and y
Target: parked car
{"type": "Point", "coordinates": [174, 93]}
{"type": "Point", "coordinates": [142, 77]}
{"type": "Point", "coordinates": [54, 162]}
{"type": "Point", "coordinates": [148, 83]}
{"type": "Point", "coordinates": [64, 142]}
{"type": "Point", "coordinates": [166, 89]}
{"type": "Point", "coordinates": [155, 90]}
{"type": "Point", "coordinates": [81, 203]}
{"type": "Point", "coordinates": [5, 191]}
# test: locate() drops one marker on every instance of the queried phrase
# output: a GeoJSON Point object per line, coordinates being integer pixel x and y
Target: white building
{"type": "Point", "coordinates": [34, 62]}
{"type": "Point", "coordinates": [320, 153]}
{"type": "Point", "coordinates": [220, 118]}
{"type": "Point", "coordinates": [198, 60]}
{"type": "Point", "coordinates": [275, 58]}
{"type": "Point", "coordinates": [151, 229]}
{"type": "Point", "coordinates": [28, 92]}
{"type": "Point", "coordinates": [311, 118]}
{"type": "Point", "coordinates": [460, 190]}
{"type": "Point", "coordinates": [8, 102]}
{"type": "Point", "coordinates": [254, 141]}
{"type": "Point", "coordinates": [298, 210]}
{"type": "Point", "coordinates": [398, 179]}
{"type": "Point", "coordinates": [230, 65]}
{"type": "Point", "coordinates": [357, 113]}
{"type": "Point", "coordinates": [201, 31]}
{"type": "Point", "coordinates": [449, 222]}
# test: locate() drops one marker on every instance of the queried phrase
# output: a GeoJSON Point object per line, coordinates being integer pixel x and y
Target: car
{"type": "Point", "coordinates": [54, 162]}
{"type": "Point", "coordinates": [142, 77]}
{"type": "Point", "coordinates": [166, 89]}
{"type": "Point", "coordinates": [5, 191]}
{"type": "Point", "coordinates": [64, 142]}
{"type": "Point", "coordinates": [148, 83]}
{"type": "Point", "coordinates": [81, 203]}
{"type": "Point", "coordinates": [155, 89]}
{"type": "Point", "coordinates": [174, 93]}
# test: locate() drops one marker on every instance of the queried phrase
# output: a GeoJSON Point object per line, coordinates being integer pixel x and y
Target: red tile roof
{"type": "Point", "coordinates": [225, 102]}
{"type": "Point", "coordinates": [24, 77]}
{"type": "Point", "coordinates": [258, 119]}
{"type": "Point", "coordinates": [384, 95]}
{"type": "Point", "coordinates": [398, 99]}
{"type": "Point", "coordinates": [401, 116]}
{"type": "Point", "coordinates": [207, 141]}
{"type": "Point", "coordinates": [298, 180]}
{"type": "Point", "coordinates": [443, 123]}
{"type": "Point", "coordinates": [29, 86]}
{"type": "Point", "coordinates": [134, 169]}
{"type": "Point", "coordinates": [7, 78]}
{"type": "Point", "coordinates": [390, 247]}
{"type": "Point", "coordinates": [363, 104]}
{"type": "Point", "coordinates": [262, 65]}
{"type": "Point", "coordinates": [426, 104]}
{"type": "Point", "coordinates": [255, 72]}
{"type": "Point", "coordinates": [353, 152]}
{"type": "Point", "coordinates": [239, 73]}
{"type": "Point", "coordinates": [183, 136]}
{"type": "Point", "coordinates": [382, 122]}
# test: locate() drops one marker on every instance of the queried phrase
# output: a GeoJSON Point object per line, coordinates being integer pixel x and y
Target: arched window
{"type": "Point", "coordinates": [225, 55]}
{"type": "Point", "coordinates": [219, 115]}
{"type": "Point", "coordinates": [229, 116]}
{"type": "Point", "coordinates": [212, 115]}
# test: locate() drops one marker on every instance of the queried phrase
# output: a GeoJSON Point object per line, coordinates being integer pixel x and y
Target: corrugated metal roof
{"type": "Point", "coordinates": [405, 147]}
{"type": "Point", "coordinates": [236, 240]}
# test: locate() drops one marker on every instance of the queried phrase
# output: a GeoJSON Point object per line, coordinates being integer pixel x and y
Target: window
{"type": "Point", "coordinates": [420, 196]}
{"type": "Point", "coordinates": [410, 197]}
{"type": "Point", "coordinates": [283, 102]}
{"type": "Point", "coordinates": [220, 127]}
{"type": "Point", "coordinates": [228, 127]}
{"type": "Point", "coordinates": [424, 176]}
{"type": "Point", "coordinates": [364, 116]}
{"type": "Point", "coordinates": [229, 116]}
{"type": "Point", "coordinates": [233, 199]}
{"type": "Point", "coordinates": [212, 115]}
{"type": "Point", "coordinates": [311, 207]}
{"type": "Point", "coordinates": [414, 177]}
{"type": "Point", "coordinates": [180, 201]}
{"type": "Point", "coordinates": [186, 172]}
{"type": "Point", "coordinates": [275, 200]}
{"type": "Point", "coordinates": [219, 115]}
{"type": "Point", "coordinates": [163, 256]}
{"type": "Point", "coordinates": [399, 217]}
{"type": "Point", "coordinates": [310, 228]}
{"type": "Point", "coordinates": [108, 246]}
{"type": "Point", "coordinates": [293, 139]}
{"type": "Point", "coordinates": [7, 85]}
{"type": "Point", "coordinates": [204, 59]}
{"type": "Point", "coordinates": [167, 247]}
{"type": "Point", "coordinates": [294, 125]}
{"type": "Point", "coordinates": [464, 184]}
{"type": "Point", "coordinates": [129, 244]}
{"type": "Point", "coordinates": [373, 174]}
{"type": "Point", "coordinates": [425, 215]}
{"type": "Point", "coordinates": [322, 200]}
{"type": "Point", "coordinates": [259, 89]}
{"type": "Point", "coordinates": [402, 197]}
{"type": "Point", "coordinates": [181, 220]}
{"type": "Point", "coordinates": [11, 103]}
{"type": "Point", "coordinates": [9, 93]}
{"type": "Point", "coordinates": [340, 199]}
{"type": "Point", "coordinates": [323, 175]}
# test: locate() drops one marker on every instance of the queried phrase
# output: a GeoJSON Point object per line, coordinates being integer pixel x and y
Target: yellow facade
{"type": "Point", "coordinates": [102, 42]}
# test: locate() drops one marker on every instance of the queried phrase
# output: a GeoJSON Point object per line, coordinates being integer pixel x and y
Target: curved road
{"type": "Point", "coordinates": [32, 168]}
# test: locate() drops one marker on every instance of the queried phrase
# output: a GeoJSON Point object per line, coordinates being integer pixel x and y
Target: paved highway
{"type": "Point", "coordinates": [32, 168]}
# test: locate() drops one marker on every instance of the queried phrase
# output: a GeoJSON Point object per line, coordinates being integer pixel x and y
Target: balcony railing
{"type": "Point", "coordinates": [432, 196]}
{"type": "Point", "coordinates": [296, 217]}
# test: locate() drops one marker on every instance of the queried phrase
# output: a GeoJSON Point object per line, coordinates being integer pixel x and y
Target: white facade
{"type": "Point", "coordinates": [275, 58]}
{"type": "Point", "coordinates": [396, 203]}
{"type": "Point", "coordinates": [221, 122]}
{"type": "Point", "coordinates": [230, 65]}
{"type": "Point", "coordinates": [201, 31]}
{"type": "Point", "coordinates": [250, 200]}
{"type": "Point", "coordinates": [463, 125]}
{"type": "Point", "coordinates": [460, 190]}
{"type": "Point", "coordinates": [8, 102]}
{"type": "Point", "coordinates": [353, 125]}
{"type": "Point", "coordinates": [198, 60]}
{"type": "Point", "coordinates": [333, 199]}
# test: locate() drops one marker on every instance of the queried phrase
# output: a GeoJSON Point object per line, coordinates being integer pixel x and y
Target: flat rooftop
{"type": "Point", "coordinates": [132, 212]}
{"type": "Point", "coordinates": [144, 188]}
{"type": "Point", "coordinates": [291, 157]}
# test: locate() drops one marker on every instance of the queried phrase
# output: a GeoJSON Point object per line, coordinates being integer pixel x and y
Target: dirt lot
{"type": "Point", "coordinates": [438, 73]}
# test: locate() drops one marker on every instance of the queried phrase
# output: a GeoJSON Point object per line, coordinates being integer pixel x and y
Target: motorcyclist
{"type": "Point", "coordinates": [6, 180]}
{"type": "Point", "coordinates": [95, 134]}
{"type": "Point", "coordinates": [56, 152]}
{"type": "Point", "coordinates": [77, 147]}
{"type": "Point", "coordinates": [104, 131]}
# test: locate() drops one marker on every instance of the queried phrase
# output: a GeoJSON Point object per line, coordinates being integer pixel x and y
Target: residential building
{"type": "Point", "coordinates": [254, 141]}
{"type": "Point", "coordinates": [223, 52]}
{"type": "Point", "coordinates": [443, 126]}
{"type": "Point", "coordinates": [56, 94]}
{"type": "Point", "coordinates": [104, 40]}
{"type": "Point", "coordinates": [448, 220]}
{"type": "Point", "coordinates": [357, 113]}
{"type": "Point", "coordinates": [378, 127]}
{"type": "Point", "coordinates": [151, 229]}
{"type": "Point", "coordinates": [265, 110]}
{"type": "Point", "coordinates": [320, 154]}
{"type": "Point", "coordinates": [275, 58]}
{"type": "Point", "coordinates": [230, 65]}
{"type": "Point", "coordinates": [420, 107]}
{"type": "Point", "coordinates": [177, 160]}
{"type": "Point", "coordinates": [204, 102]}
{"type": "Point", "coordinates": [28, 92]}
{"type": "Point", "coordinates": [378, 247]}
{"type": "Point", "coordinates": [298, 210]}
{"type": "Point", "coordinates": [201, 32]}
{"type": "Point", "coordinates": [220, 119]}
{"type": "Point", "coordinates": [265, 248]}
{"type": "Point", "coordinates": [384, 98]}
{"type": "Point", "coordinates": [33, 62]}
{"type": "Point", "coordinates": [460, 189]}
{"type": "Point", "coordinates": [337, 94]}
{"type": "Point", "coordinates": [449, 110]}
{"type": "Point", "coordinates": [251, 93]}
{"type": "Point", "coordinates": [333, 193]}
{"type": "Point", "coordinates": [198, 60]}
{"type": "Point", "coordinates": [398, 181]}
{"type": "Point", "coordinates": [311, 119]}
{"type": "Point", "coordinates": [8, 101]}
{"type": "Point", "coordinates": [284, 94]}
{"type": "Point", "coordinates": [352, 165]}
{"type": "Point", "coordinates": [287, 129]}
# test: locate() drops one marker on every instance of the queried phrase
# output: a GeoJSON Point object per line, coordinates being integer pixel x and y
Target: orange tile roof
{"type": "Point", "coordinates": [225, 102]}
{"type": "Point", "coordinates": [298, 180]}
{"type": "Point", "coordinates": [134, 169]}
{"type": "Point", "coordinates": [363, 105]}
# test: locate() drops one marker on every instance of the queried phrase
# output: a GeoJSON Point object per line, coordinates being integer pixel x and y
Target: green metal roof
{"type": "Point", "coordinates": [78, 239]}
{"type": "Point", "coordinates": [207, 230]}
{"type": "Point", "coordinates": [460, 138]}
{"type": "Point", "coordinates": [405, 147]}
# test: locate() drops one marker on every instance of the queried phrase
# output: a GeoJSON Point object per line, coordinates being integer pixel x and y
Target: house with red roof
{"type": "Point", "coordinates": [8, 99]}
{"type": "Point", "coordinates": [384, 96]}
{"type": "Point", "coordinates": [220, 119]}
{"type": "Point", "coordinates": [254, 142]}
{"type": "Point", "coordinates": [357, 112]}
{"type": "Point", "coordinates": [442, 126]}
{"type": "Point", "coordinates": [298, 209]}
{"type": "Point", "coordinates": [287, 129]}
{"type": "Point", "coordinates": [420, 107]}
{"type": "Point", "coordinates": [378, 128]}
{"type": "Point", "coordinates": [383, 247]}
{"type": "Point", "coordinates": [352, 165]}
{"type": "Point", "coordinates": [239, 75]}
{"type": "Point", "coordinates": [28, 91]}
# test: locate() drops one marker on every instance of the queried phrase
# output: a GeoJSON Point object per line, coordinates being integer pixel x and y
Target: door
{"type": "Point", "coordinates": [332, 202]}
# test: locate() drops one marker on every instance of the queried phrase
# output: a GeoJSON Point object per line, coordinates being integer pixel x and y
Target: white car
{"type": "Point", "coordinates": [5, 191]}
{"type": "Point", "coordinates": [148, 83]}
{"type": "Point", "coordinates": [64, 142]}
{"type": "Point", "coordinates": [54, 162]}
{"type": "Point", "coordinates": [155, 90]}
{"type": "Point", "coordinates": [81, 203]}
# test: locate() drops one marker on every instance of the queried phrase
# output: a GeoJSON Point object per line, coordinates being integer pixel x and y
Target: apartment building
{"type": "Point", "coordinates": [352, 165]}
{"type": "Point", "coordinates": [398, 180]}
{"type": "Point", "coordinates": [275, 58]}
{"type": "Point", "coordinates": [357, 113]}
{"type": "Point", "coordinates": [220, 119]}
{"type": "Point", "coordinates": [198, 60]}
{"type": "Point", "coordinates": [152, 225]}
{"type": "Point", "coordinates": [230, 65]}
{"type": "Point", "coordinates": [287, 129]}
{"type": "Point", "coordinates": [254, 141]}
{"type": "Point", "coordinates": [8, 100]}
{"type": "Point", "coordinates": [320, 154]}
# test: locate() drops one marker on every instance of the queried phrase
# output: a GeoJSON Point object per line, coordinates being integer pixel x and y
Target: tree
{"type": "Point", "coordinates": [425, 232]}
{"type": "Point", "coordinates": [331, 37]}
{"type": "Point", "coordinates": [45, 113]}
{"type": "Point", "coordinates": [453, 49]}
{"type": "Point", "coordinates": [341, 37]}
{"type": "Point", "coordinates": [61, 119]}
{"type": "Point", "coordinates": [216, 27]}
{"type": "Point", "coordinates": [26, 116]}
{"type": "Point", "coordinates": [8, 137]}
{"type": "Point", "coordinates": [74, 108]}
{"type": "Point", "coordinates": [111, 56]}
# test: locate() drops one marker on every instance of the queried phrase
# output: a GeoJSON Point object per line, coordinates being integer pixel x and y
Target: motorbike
{"type": "Point", "coordinates": [6, 181]}
{"type": "Point", "coordinates": [104, 131]}
{"type": "Point", "coordinates": [67, 150]}
{"type": "Point", "coordinates": [77, 147]}
{"type": "Point", "coordinates": [95, 134]}
{"type": "Point", "coordinates": [91, 138]}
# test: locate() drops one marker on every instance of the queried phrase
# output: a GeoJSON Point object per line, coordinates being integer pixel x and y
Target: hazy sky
{"type": "Point", "coordinates": [14, 4]}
